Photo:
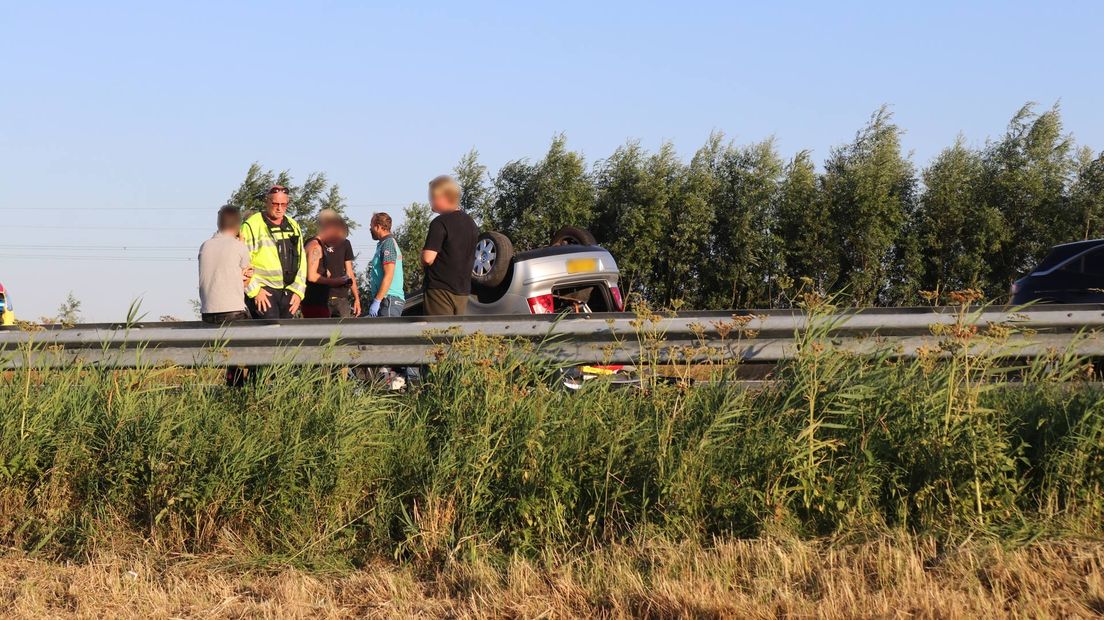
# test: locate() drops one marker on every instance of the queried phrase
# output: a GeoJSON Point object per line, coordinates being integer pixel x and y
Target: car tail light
{"type": "Point", "coordinates": [542, 304]}
{"type": "Point", "coordinates": [618, 303]}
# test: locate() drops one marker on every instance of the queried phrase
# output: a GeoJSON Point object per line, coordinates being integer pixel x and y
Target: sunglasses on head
{"type": "Point", "coordinates": [278, 189]}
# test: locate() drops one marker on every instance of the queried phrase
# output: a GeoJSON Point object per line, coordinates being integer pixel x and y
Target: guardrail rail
{"type": "Point", "coordinates": [755, 336]}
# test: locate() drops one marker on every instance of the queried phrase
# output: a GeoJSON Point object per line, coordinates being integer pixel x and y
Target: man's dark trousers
{"type": "Point", "coordinates": [279, 305]}
{"type": "Point", "coordinates": [236, 375]}
{"type": "Point", "coordinates": [439, 302]}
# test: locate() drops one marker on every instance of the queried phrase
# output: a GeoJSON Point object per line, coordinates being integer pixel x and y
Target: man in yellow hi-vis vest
{"type": "Point", "coordinates": [275, 244]}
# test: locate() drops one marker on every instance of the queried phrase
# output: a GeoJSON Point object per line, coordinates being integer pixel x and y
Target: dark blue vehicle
{"type": "Point", "coordinates": [1072, 273]}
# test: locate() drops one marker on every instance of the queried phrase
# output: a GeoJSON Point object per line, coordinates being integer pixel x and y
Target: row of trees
{"type": "Point", "coordinates": [739, 226]}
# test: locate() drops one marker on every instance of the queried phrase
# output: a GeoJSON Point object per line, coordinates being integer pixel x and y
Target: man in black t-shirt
{"type": "Point", "coordinates": [330, 275]}
{"type": "Point", "coordinates": [449, 251]}
{"type": "Point", "coordinates": [339, 262]}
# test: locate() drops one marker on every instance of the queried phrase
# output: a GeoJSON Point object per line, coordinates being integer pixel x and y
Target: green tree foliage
{"type": "Point", "coordinates": [633, 195]}
{"type": "Point", "coordinates": [304, 201]}
{"type": "Point", "coordinates": [689, 216]}
{"type": "Point", "coordinates": [735, 226]}
{"type": "Point", "coordinates": [512, 186]}
{"type": "Point", "coordinates": [744, 264]}
{"type": "Point", "coordinates": [1027, 177]}
{"type": "Point", "coordinates": [869, 187]}
{"type": "Point", "coordinates": [532, 201]}
{"type": "Point", "coordinates": [411, 235]}
{"type": "Point", "coordinates": [957, 230]}
{"type": "Point", "coordinates": [68, 312]}
{"type": "Point", "coordinates": [1087, 194]}
{"type": "Point", "coordinates": [475, 186]}
{"type": "Point", "coordinates": [902, 284]}
{"type": "Point", "coordinates": [805, 228]}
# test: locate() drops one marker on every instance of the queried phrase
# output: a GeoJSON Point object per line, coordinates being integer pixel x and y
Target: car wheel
{"type": "Point", "coordinates": [573, 235]}
{"type": "Point", "coordinates": [493, 254]}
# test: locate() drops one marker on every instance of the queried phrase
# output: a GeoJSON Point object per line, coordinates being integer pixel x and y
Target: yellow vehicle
{"type": "Point", "coordinates": [7, 314]}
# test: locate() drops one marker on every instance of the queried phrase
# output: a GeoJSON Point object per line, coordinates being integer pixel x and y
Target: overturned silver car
{"type": "Point", "coordinates": [574, 274]}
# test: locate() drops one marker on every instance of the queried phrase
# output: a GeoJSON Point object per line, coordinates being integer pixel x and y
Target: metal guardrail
{"type": "Point", "coordinates": [766, 336]}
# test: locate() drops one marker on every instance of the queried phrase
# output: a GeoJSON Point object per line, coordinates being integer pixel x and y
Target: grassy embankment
{"type": "Point", "coordinates": [858, 481]}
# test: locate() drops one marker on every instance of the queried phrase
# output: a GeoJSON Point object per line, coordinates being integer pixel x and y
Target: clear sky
{"type": "Point", "coordinates": [127, 124]}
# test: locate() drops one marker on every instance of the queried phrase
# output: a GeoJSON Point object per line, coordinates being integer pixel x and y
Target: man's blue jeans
{"type": "Point", "coordinates": [392, 306]}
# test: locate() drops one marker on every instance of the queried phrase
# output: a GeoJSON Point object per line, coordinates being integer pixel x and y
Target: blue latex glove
{"type": "Point", "coordinates": [373, 310]}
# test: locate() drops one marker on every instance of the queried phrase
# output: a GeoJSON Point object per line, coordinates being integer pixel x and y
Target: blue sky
{"type": "Point", "coordinates": [126, 125]}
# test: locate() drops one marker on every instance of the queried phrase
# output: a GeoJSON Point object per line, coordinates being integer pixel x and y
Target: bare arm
{"type": "Point", "coordinates": [246, 266]}
{"type": "Point", "coordinates": [314, 264]}
{"type": "Point", "coordinates": [428, 256]}
{"type": "Point", "coordinates": [349, 269]}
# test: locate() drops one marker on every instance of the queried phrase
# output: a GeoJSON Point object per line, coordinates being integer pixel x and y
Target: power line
{"type": "Point", "coordinates": [80, 227]}
{"type": "Point", "coordinates": [143, 259]}
{"type": "Point", "coordinates": [97, 247]}
{"type": "Point", "coordinates": [92, 253]}
{"type": "Point", "coordinates": [368, 205]}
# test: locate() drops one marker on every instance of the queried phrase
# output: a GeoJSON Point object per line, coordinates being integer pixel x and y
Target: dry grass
{"type": "Point", "coordinates": [746, 579]}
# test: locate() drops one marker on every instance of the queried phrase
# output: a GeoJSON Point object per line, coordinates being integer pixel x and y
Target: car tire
{"type": "Point", "coordinates": [493, 254]}
{"type": "Point", "coordinates": [573, 235]}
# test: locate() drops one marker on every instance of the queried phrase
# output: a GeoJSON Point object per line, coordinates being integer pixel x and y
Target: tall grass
{"type": "Point", "coordinates": [490, 458]}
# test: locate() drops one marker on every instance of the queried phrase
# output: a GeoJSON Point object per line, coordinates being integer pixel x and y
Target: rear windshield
{"type": "Point", "coordinates": [581, 297]}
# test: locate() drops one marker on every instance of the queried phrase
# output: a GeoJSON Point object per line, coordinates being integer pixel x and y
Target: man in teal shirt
{"type": "Point", "coordinates": [385, 274]}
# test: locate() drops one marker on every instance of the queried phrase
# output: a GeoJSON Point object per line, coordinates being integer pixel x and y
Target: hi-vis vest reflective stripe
{"type": "Point", "coordinates": [267, 270]}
